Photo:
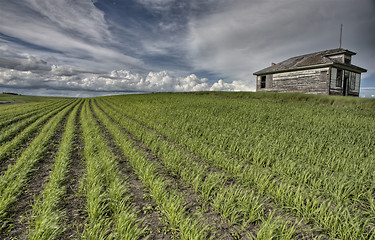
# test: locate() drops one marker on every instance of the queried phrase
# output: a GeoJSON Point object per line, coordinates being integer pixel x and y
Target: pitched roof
{"type": "Point", "coordinates": [311, 60]}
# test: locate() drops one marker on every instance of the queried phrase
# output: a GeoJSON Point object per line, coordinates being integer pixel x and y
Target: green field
{"type": "Point", "coordinates": [206, 165]}
{"type": "Point", "coordinates": [14, 98]}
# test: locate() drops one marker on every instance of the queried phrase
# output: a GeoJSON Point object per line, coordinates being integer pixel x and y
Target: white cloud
{"type": "Point", "coordinates": [162, 81]}
{"type": "Point", "coordinates": [68, 78]}
{"type": "Point", "coordinates": [80, 17]}
{"type": "Point", "coordinates": [233, 86]}
{"type": "Point", "coordinates": [158, 5]}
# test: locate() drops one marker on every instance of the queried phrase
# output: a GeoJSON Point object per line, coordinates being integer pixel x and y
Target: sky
{"type": "Point", "coordinates": [86, 48]}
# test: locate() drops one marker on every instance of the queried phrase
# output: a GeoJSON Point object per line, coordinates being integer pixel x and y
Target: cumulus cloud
{"type": "Point", "coordinates": [233, 86]}
{"type": "Point", "coordinates": [68, 78]}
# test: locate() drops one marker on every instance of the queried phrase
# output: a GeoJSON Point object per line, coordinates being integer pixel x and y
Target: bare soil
{"type": "Point", "coordinates": [21, 211]}
{"type": "Point", "coordinates": [220, 229]}
{"type": "Point", "coordinates": [147, 210]}
{"type": "Point", "coordinates": [74, 203]}
{"type": "Point", "coordinates": [11, 156]}
{"type": "Point", "coordinates": [304, 230]}
{"type": "Point", "coordinates": [145, 207]}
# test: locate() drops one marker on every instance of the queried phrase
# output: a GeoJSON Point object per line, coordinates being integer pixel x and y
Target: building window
{"type": "Point", "coordinates": [352, 80]}
{"type": "Point", "coordinates": [339, 78]}
{"type": "Point", "coordinates": [263, 82]}
{"type": "Point", "coordinates": [346, 83]}
{"type": "Point", "coordinates": [347, 60]}
{"type": "Point", "coordinates": [358, 80]}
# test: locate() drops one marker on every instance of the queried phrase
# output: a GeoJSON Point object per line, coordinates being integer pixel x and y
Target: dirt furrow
{"type": "Point", "coordinates": [16, 153]}
{"type": "Point", "coordinates": [73, 203]}
{"type": "Point", "coordinates": [140, 195]}
{"type": "Point", "coordinates": [305, 230]}
{"type": "Point", "coordinates": [8, 157]}
{"type": "Point", "coordinates": [208, 216]}
{"type": "Point", "coordinates": [20, 212]}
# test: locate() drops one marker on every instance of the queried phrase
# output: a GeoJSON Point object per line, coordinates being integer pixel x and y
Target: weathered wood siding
{"type": "Point", "coordinates": [334, 90]}
{"type": "Point", "coordinates": [305, 81]}
{"type": "Point", "coordinates": [358, 83]}
{"type": "Point", "coordinates": [339, 57]}
{"type": "Point", "coordinates": [345, 88]}
{"type": "Point", "coordinates": [269, 83]}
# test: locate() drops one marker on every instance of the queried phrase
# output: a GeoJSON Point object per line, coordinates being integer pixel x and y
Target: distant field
{"type": "Point", "coordinates": [12, 98]}
{"type": "Point", "coordinates": [206, 165]}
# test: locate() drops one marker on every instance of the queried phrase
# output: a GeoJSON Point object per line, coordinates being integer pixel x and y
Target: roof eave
{"type": "Point", "coordinates": [343, 51]}
{"type": "Point", "coordinates": [350, 67]}
{"type": "Point", "coordinates": [292, 69]}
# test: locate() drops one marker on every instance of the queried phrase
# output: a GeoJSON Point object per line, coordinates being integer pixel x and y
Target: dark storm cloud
{"type": "Point", "coordinates": [74, 28]}
{"type": "Point", "coordinates": [248, 35]}
{"type": "Point", "coordinates": [29, 64]}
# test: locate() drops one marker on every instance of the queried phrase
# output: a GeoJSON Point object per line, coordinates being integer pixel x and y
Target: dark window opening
{"type": "Point", "coordinates": [346, 83]}
{"type": "Point", "coordinates": [352, 80]}
{"type": "Point", "coordinates": [339, 78]}
{"type": "Point", "coordinates": [347, 60]}
{"type": "Point", "coordinates": [263, 82]}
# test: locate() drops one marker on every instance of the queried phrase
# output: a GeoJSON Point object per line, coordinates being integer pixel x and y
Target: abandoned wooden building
{"type": "Point", "coordinates": [329, 72]}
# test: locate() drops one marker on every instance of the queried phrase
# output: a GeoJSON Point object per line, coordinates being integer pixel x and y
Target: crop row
{"type": "Point", "coordinates": [109, 208]}
{"type": "Point", "coordinates": [22, 121]}
{"type": "Point", "coordinates": [22, 130]}
{"type": "Point", "coordinates": [266, 169]}
{"type": "Point", "coordinates": [16, 175]}
{"type": "Point", "coordinates": [110, 211]}
{"type": "Point", "coordinates": [237, 205]}
{"type": "Point", "coordinates": [169, 200]}
{"type": "Point", "coordinates": [196, 129]}
{"type": "Point", "coordinates": [47, 218]}
{"type": "Point", "coordinates": [23, 111]}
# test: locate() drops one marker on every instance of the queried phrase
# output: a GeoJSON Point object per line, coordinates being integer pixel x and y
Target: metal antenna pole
{"type": "Point", "coordinates": [340, 35]}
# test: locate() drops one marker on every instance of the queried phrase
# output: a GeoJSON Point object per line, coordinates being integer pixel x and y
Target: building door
{"type": "Point", "coordinates": [345, 86]}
